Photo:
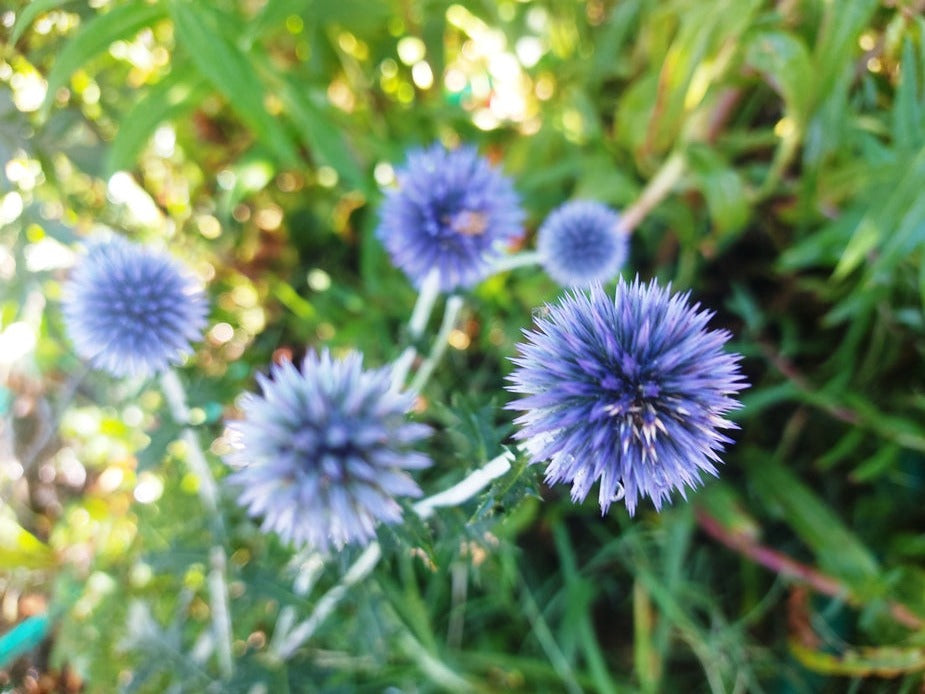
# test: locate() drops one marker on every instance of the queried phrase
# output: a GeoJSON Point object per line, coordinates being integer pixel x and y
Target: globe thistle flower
{"type": "Point", "coordinates": [322, 453]}
{"type": "Point", "coordinates": [451, 211]}
{"type": "Point", "coordinates": [630, 392]}
{"type": "Point", "coordinates": [130, 310]}
{"type": "Point", "coordinates": [581, 243]}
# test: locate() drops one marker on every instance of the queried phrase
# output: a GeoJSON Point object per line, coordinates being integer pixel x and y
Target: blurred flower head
{"type": "Point", "coordinates": [131, 310]}
{"type": "Point", "coordinates": [631, 392]}
{"type": "Point", "coordinates": [322, 453]}
{"type": "Point", "coordinates": [451, 211]}
{"type": "Point", "coordinates": [581, 243]}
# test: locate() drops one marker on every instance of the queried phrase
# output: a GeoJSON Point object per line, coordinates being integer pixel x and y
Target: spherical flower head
{"type": "Point", "coordinates": [451, 211]}
{"type": "Point", "coordinates": [131, 310]}
{"type": "Point", "coordinates": [631, 392]}
{"type": "Point", "coordinates": [322, 453]}
{"type": "Point", "coordinates": [581, 243]}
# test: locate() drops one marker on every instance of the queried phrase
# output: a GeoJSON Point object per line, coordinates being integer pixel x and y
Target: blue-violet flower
{"type": "Point", "coordinates": [131, 310]}
{"type": "Point", "coordinates": [452, 211]}
{"type": "Point", "coordinates": [630, 392]}
{"type": "Point", "coordinates": [581, 243]}
{"type": "Point", "coordinates": [322, 453]}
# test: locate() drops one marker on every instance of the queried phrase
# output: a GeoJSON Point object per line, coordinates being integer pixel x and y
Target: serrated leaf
{"type": "Point", "coordinates": [170, 98]}
{"type": "Point", "coordinates": [94, 37]}
{"type": "Point", "coordinates": [230, 71]}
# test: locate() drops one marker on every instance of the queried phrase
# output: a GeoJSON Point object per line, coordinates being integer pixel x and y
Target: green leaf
{"type": "Point", "coordinates": [320, 134]}
{"type": "Point", "coordinates": [199, 31]}
{"type": "Point", "coordinates": [838, 550]}
{"type": "Point", "coordinates": [170, 98]}
{"type": "Point", "coordinates": [94, 37]}
{"type": "Point", "coordinates": [784, 62]}
{"type": "Point", "coordinates": [907, 108]}
{"type": "Point", "coordinates": [30, 13]}
{"type": "Point", "coordinates": [20, 548]}
{"type": "Point", "coordinates": [896, 216]}
{"type": "Point", "coordinates": [837, 44]}
{"type": "Point", "coordinates": [885, 661]}
{"type": "Point", "coordinates": [721, 187]}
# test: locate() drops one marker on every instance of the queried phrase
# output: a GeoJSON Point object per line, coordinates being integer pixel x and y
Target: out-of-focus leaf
{"type": "Point", "coordinates": [838, 550]}
{"type": "Point", "coordinates": [887, 661]}
{"type": "Point", "coordinates": [30, 13]}
{"type": "Point", "coordinates": [199, 31]}
{"type": "Point", "coordinates": [20, 548]}
{"type": "Point", "coordinates": [319, 133]}
{"type": "Point", "coordinates": [784, 62]}
{"type": "Point", "coordinates": [725, 504]}
{"type": "Point", "coordinates": [907, 109]}
{"type": "Point", "coordinates": [877, 464]}
{"type": "Point", "coordinates": [722, 188]}
{"type": "Point", "coordinates": [901, 210]}
{"type": "Point", "coordinates": [94, 37]}
{"type": "Point", "coordinates": [273, 13]}
{"type": "Point", "coordinates": [177, 93]}
{"type": "Point", "coordinates": [837, 43]}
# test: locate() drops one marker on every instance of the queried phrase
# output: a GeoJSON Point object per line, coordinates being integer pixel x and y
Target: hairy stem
{"type": "Point", "coordinates": [515, 260]}
{"type": "Point", "coordinates": [367, 561]}
{"type": "Point", "coordinates": [208, 495]}
{"type": "Point", "coordinates": [451, 312]}
{"type": "Point", "coordinates": [423, 307]}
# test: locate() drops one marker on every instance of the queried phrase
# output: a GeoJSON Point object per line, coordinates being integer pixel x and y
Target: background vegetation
{"type": "Point", "coordinates": [254, 138]}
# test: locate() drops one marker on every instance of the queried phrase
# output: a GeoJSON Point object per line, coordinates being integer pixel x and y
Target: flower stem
{"type": "Point", "coordinates": [208, 495]}
{"type": "Point", "coordinates": [423, 307]}
{"type": "Point", "coordinates": [361, 568]}
{"type": "Point", "coordinates": [451, 312]}
{"type": "Point", "coordinates": [467, 488]}
{"type": "Point", "coordinates": [516, 260]}
{"type": "Point", "coordinates": [367, 561]}
{"type": "Point", "coordinates": [655, 191]}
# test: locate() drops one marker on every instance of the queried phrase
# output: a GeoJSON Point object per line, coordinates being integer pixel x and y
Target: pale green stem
{"type": "Point", "coordinates": [367, 561]}
{"type": "Point", "coordinates": [451, 312]}
{"type": "Point", "coordinates": [208, 495]}
{"type": "Point", "coordinates": [655, 191]}
{"type": "Point", "coordinates": [516, 260]}
{"type": "Point", "coordinates": [423, 307]}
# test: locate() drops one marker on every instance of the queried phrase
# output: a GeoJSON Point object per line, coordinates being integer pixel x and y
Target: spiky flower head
{"type": "Point", "coordinates": [581, 243]}
{"type": "Point", "coordinates": [322, 453]}
{"type": "Point", "coordinates": [451, 211]}
{"type": "Point", "coordinates": [631, 392]}
{"type": "Point", "coordinates": [131, 310]}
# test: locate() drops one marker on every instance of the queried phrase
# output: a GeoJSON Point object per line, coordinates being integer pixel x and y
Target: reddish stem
{"type": "Point", "coordinates": [787, 566]}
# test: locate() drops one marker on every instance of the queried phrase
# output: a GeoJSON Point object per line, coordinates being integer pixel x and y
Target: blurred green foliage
{"type": "Point", "coordinates": [254, 137]}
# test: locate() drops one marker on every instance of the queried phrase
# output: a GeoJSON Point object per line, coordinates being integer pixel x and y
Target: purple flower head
{"type": "Point", "coordinates": [630, 391]}
{"type": "Point", "coordinates": [581, 243]}
{"type": "Point", "coordinates": [451, 211]}
{"type": "Point", "coordinates": [130, 310]}
{"type": "Point", "coordinates": [322, 453]}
